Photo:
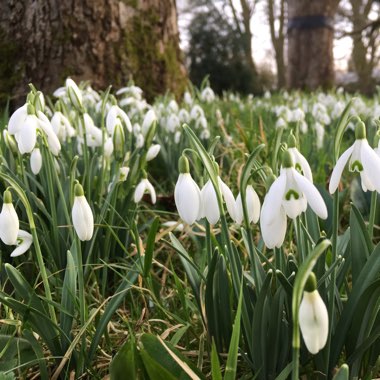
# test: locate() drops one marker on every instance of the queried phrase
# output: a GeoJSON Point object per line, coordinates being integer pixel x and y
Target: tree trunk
{"type": "Point", "coordinates": [363, 65]}
{"type": "Point", "coordinates": [103, 41]}
{"type": "Point", "coordinates": [310, 43]}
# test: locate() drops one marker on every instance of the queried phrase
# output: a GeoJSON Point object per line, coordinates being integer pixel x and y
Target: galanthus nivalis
{"type": "Point", "coordinates": [187, 194]}
{"type": "Point", "coordinates": [83, 219]}
{"type": "Point", "coordinates": [363, 159]}
{"type": "Point", "coordinates": [9, 223]}
{"type": "Point", "coordinates": [115, 116]}
{"type": "Point", "coordinates": [300, 161]}
{"type": "Point", "coordinates": [313, 317]}
{"type": "Point", "coordinates": [252, 204]}
{"type": "Point", "coordinates": [289, 195]}
{"type": "Point", "coordinates": [24, 241]}
{"type": "Point", "coordinates": [144, 187]}
{"type": "Point", "coordinates": [36, 161]}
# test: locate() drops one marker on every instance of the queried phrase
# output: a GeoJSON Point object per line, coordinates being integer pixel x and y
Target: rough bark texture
{"type": "Point", "coordinates": [103, 41]}
{"type": "Point", "coordinates": [310, 51]}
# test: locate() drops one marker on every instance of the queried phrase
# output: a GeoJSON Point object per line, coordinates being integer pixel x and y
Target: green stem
{"type": "Point", "coordinates": [334, 249]}
{"type": "Point", "coordinates": [372, 214]}
{"type": "Point", "coordinates": [295, 361]}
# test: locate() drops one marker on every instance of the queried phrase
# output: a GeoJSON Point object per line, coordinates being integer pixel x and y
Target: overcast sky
{"type": "Point", "coordinates": [261, 43]}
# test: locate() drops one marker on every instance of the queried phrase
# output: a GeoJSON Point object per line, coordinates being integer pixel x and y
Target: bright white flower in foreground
{"type": "Point", "coordinates": [153, 152]}
{"type": "Point", "coordinates": [187, 194]}
{"type": "Point", "coordinates": [116, 115]}
{"type": "Point", "coordinates": [252, 203]}
{"type": "Point", "coordinates": [363, 159]}
{"type": "Point", "coordinates": [24, 241]}
{"type": "Point", "coordinates": [209, 202]}
{"type": "Point", "coordinates": [144, 187]}
{"type": "Point", "coordinates": [36, 161]}
{"type": "Point", "coordinates": [9, 223]}
{"type": "Point", "coordinates": [46, 127]}
{"type": "Point", "coordinates": [313, 318]}
{"type": "Point", "coordinates": [288, 196]}
{"type": "Point", "coordinates": [299, 160]}
{"type": "Point", "coordinates": [207, 95]}
{"type": "Point", "coordinates": [62, 126]}
{"type": "Point", "coordinates": [83, 219]}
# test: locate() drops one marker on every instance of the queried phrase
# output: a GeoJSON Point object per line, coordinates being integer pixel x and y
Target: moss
{"type": "Point", "coordinates": [11, 68]}
{"type": "Point", "coordinates": [154, 71]}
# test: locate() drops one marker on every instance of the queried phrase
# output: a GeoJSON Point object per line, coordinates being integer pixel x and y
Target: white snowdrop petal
{"type": "Point", "coordinates": [153, 152]}
{"type": "Point", "coordinates": [338, 169]}
{"type": "Point", "coordinates": [9, 224]}
{"type": "Point", "coordinates": [24, 242]}
{"type": "Point", "coordinates": [27, 136]}
{"type": "Point", "coordinates": [83, 219]}
{"type": "Point", "coordinates": [187, 197]}
{"type": "Point", "coordinates": [273, 233]}
{"type": "Point", "coordinates": [17, 119]}
{"type": "Point", "coordinates": [151, 191]}
{"type": "Point", "coordinates": [299, 158]}
{"type": "Point", "coordinates": [139, 191]}
{"type": "Point", "coordinates": [274, 199]}
{"type": "Point", "coordinates": [371, 165]}
{"type": "Point", "coordinates": [210, 206]}
{"type": "Point", "coordinates": [253, 204]}
{"type": "Point", "coordinates": [312, 195]}
{"type": "Point", "coordinates": [228, 198]}
{"type": "Point", "coordinates": [36, 161]}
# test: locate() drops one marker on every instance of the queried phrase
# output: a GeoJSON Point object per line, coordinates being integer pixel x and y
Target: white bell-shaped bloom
{"type": "Point", "coordinates": [108, 148]}
{"type": "Point", "coordinates": [116, 115]}
{"type": "Point", "coordinates": [62, 126]}
{"type": "Point", "coordinates": [207, 95]}
{"type": "Point", "coordinates": [149, 119]}
{"type": "Point", "coordinates": [187, 194]}
{"type": "Point", "coordinates": [83, 219]}
{"type": "Point", "coordinates": [94, 137]}
{"type": "Point", "coordinates": [361, 158]}
{"type": "Point", "coordinates": [26, 137]}
{"type": "Point", "coordinates": [313, 319]}
{"type": "Point", "coordinates": [9, 223]}
{"type": "Point", "coordinates": [289, 195]}
{"type": "Point", "coordinates": [144, 187]}
{"type": "Point", "coordinates": [17, 119]}
{"type": "Point", "coordinates": [153, 152]}
{"type": "Point", "coordinates": [252, 203]}
{"type": "Point", "coordinates": [209, 205]}
{"type": "Point", "coordinates": [24, 241]}
{"type": "Point", "coordinates": [47, 128]}
{"type": "Point", "coordinates": [74, 93]}
{"type": "Point", "coordinates": [36, 161]}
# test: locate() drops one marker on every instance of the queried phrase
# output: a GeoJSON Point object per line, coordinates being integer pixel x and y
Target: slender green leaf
{"type": "Point", "coordinates": [150, 246]}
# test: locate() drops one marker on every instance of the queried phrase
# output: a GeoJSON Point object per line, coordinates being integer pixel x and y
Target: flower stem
{"type": "Point", "coordinates": [372, 214]}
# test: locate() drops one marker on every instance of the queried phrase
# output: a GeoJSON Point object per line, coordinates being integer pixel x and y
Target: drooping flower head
{"type": "Point", "coordinates": [289, 195]}
{"type": "Point", "coordinates": [361, 158]}
{"type": "Point", "coordinates": [83, 219]}
{"type": "Point", "coordinates": [187, 194]}
{"type": "Point", "coordinates": [9, 223]}
{"type": "Point", "coordinates": [313, 317]}
{"type": "Point", "coordinates": [144, 187]}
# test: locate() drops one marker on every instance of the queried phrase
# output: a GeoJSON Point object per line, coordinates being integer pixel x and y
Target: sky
{"type": "Point", "coordinates": [261, 42]}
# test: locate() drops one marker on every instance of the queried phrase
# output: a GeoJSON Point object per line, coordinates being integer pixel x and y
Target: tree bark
{"type": "Point", "coordinates": [310, 49]}
{"type": "Point", "coordinates": [103, 41]}
{"type": "Point", "coordinates": [278, 40]}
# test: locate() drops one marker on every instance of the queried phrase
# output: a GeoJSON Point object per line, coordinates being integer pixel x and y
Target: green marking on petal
{"type": "Point", "coordinates": [291, 193]}
{"type": "Point", "coordinates": [356, 166]}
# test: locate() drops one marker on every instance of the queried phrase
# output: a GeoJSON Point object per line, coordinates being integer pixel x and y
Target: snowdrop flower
{"type": "Point", "coordinates": [252, 202]}
{"type": "Point", "coordinates": [9, 223]}
{"type": "Point", "coordinates": [153, 152]}
{"type": "Point", "coordinates": [114, 116]}
{"type": "Point", "coordinates": [52, 139]}
{"type": "Point", "coordinates": [173, 106]}
{"type": "Point", "coordinates": [108, 148]}
{"type": "Point", "coordinates": [123, 173]}
{"type": "Point", "coordinates": [149, 119]}
{"type": "Point", "coordinates": [83, 219]}
{"type": "Point", "coordinates": [24, 241]}
{"type": "Point", "coordinates": [140, 140]}
{"type": "Point", "coordinates": [280, 123]}
{"type": "Point", "coordinates": [288, 196]}
{"type": "Point", "coordinates": [144, 187]}
{"type": "Point", "coordinates": [187, 194]}
{"type": "Point", "coordinates": [177, 137]}
{"type": "Point", "coordinates": [313, 317]}
{"type": "Point", "coordinates": [36, 161]}
{"type": "Point", "coordinates": [74, 93]}
{"type": "Point", "coordinates": [363, 159]}
{"type": "Point", "coordinates": [207, 95]}
{"type": "Point", "coordinates": [320, 132]}
{"type": "Point", "coordinates": [62, 126]}
{"type": "Point", "coordinates": [196, 112]}
{"type": "Point", "coordinates": [299, 160]}
{"type": "Point", "coordinates": [187, 98]}
{"type": "Point", "coordinates": [94, 135]}
{"type": "Point", "coordinates": [205, 134]}
{"type": "Point", "coordinates": [184, 116]}
{"type": "Point", "coordinates": [209, 202]}
{"type": "Point", "coordinates": [173, 122]}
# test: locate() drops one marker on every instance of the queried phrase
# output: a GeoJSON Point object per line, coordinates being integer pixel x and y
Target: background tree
{"type": "Point", "coordinates": [310, 43]}
{"type": "Point", "coordinates": [276, 16]}
{"type": "Point", "coordinates": [104, 41]}
{"type": "Point", "coordinates": [218, 49]}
